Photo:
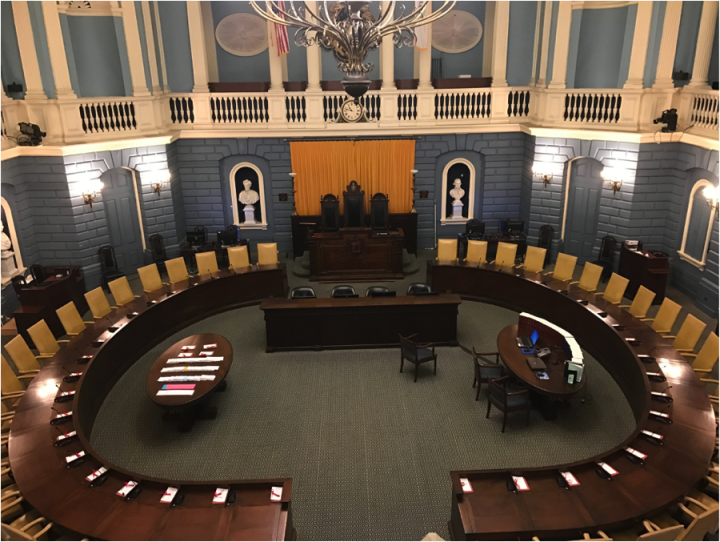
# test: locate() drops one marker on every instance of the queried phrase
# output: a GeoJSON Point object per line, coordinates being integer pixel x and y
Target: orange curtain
{"type": "Point", "coordinates": [327, 167]}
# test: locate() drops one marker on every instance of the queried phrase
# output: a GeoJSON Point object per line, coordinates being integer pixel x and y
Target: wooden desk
{"type": "Point", "coordinates": [362, 322]}
{"type": "Point", "coordinates": [644, 268]}
{"type": "Point", "coordinates": [356, 254]}
{"type": "Point", "coordinates": [63, 496]}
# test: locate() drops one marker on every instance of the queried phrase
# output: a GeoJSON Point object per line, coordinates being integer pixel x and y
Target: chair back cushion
{"type": "Point", "coordinates": [477, 252]}
{"type": "Point", "coordinates": [120, 289]}
{"type": "Point", "coordinates": [376, 290]}
{"type": "Point", "coordinates": [590, 277]}
{"type": "Point", "coordinates": [267, 253]}
{"type": "Point", "coordinates": [447, 249]}
{"type": "Point", "coordinates": [9, 383]}
{"type": "Point", "coordinates": [708, 355]}
{"type": "Point", "coordinates": [408, 348]}
{"type": "Point", "coordinates": [641, 303]}
{"type": "Point", "coordinates": [535, 259]}
{"type": "Point", "coordinates": [418, 288]}
{"type": "Point", "coordinates": [689, 333]}
{"type": "Point", "coordinates": [564, 267]}
{"type": "Point", "coordinates": [176, 269]}
{"type": "Point", "coordinates": [150, 278]}
{"type": "Point", "coordinates": [302, 292]}
{"type": "Point", "coordinates": [70, 319]}
{"type": "Point", "coordinates": [206, 262]}
{"type": "Point", "coordinates": [238, 257]}
{"type": "Point", "coordinates": [666, 316]}
{"type": "Point", "coordinates": [342, 290]}
{"type": "Point", "coordinates": [98, 303]}
{"type": "Point", "coordinates": [506, 253]}
{"type": "Point", "coordinates": [616, 289]}
{"type": "Point", "coordinates": [22, 356]}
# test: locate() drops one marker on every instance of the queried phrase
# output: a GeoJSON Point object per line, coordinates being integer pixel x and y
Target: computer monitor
{"type": "Point", "coordinates": [195, 238]}
{"type": "Point", "coordinates": [227, 238]}
{"type": "Point", "coordinates": [534, 336]}
{"type": "Point", "coordinates": [515, 227]}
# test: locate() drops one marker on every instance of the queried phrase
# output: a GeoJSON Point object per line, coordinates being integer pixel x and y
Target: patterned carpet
{"type": "Point", "coordinates": [369, 451]}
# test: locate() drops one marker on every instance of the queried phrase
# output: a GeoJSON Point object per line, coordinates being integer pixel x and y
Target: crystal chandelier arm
{"type": "Point", "coordinates": [305, 25]}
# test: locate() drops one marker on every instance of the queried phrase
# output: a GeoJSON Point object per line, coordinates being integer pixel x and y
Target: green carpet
{"type": "Point", "coordinates": [369, 451]}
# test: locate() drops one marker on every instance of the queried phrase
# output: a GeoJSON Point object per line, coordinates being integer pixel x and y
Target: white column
{"type": "Point", "coordinates": [28, 54]}
{"type": "Point", "coordinates": [703, 52]}
{"type": "Point", "coordinates": [150, 43]}
{"type": "Point", "coordinates": [668, 43]}
{"type": "Point", "coordinates": [161, 47]}
{"type": "Point", "coordinates": [536, 46]}
{"type": "Point", "coordinates": [562, 45]}
{"type": "Point", "coordinates": [387, 55]}
{"type": "Point", "coordinates": [500, 43]}
{"type": "Point", "coordinates": [488, 38]}
{"type": "Point", "coordinates": [58, 59]}
{"type": "Point", "coordinates": [314, 65]}
{"type": "Point", "coordinates": [134, 49]}
{"type": "Point", "coordinates": [209, 33]}
{"type": "Point", "coordinates": [197, 46]}
{"type": "Point", "coordinates": [640, 45]}
{"type": "Point", "coordinates": [276, 62]}
{"type": "Point", "coordinates": [545, 48]}
{"type": "Point", "coordinates": [424, 58]}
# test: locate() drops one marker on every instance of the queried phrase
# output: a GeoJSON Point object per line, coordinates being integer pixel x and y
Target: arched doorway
{"type": "Point", "coordinates": [583, 191]}
{"type": "Point", "coordinates": [122, 216]}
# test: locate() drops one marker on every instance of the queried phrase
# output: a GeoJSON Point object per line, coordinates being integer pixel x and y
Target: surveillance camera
{"type": "Point", "coordinates": [669, 118]}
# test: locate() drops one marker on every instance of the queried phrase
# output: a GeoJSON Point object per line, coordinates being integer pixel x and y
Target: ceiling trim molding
{"type": "Point", "coordinates": [579, 4]}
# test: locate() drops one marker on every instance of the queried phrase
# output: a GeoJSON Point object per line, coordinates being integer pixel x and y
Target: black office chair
{"type": "Point", "coordinates": [302, 292]}
{"type": "Point", "coordinates": [203, 230]}
{"type": "Point", "coordinates": [503, 225]}
{"type": "Point", "coordinates": [157, 251]}
{"type": "Point", "coordinates": [545, 240]}
{"type": "Point", "coordinates": [605, 258]}
{"type": "Point", "coordinates": [416, 353]}
{"type": "Point", "coordinates": [508, 398]}
{"type": "Point", "coordinates": [38, 273]}
{"type": "Point", "coordinates": [236, 230]}
{"type": "Point", "coordinates": [108, 263]}
{"type": "Point", "coordinates": [474, 229]}
{"type": "Point", "coordinates": [485, 372]}
{"type": "Point", "coordinates": [418, 288]}
{"type": "Point", "coordinates": [370, 292]}
{"type": "Point", "coordinates": [343, 291]}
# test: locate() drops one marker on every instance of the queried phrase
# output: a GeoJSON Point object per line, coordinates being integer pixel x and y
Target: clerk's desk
{"type": "Point", "coordinates": [649, 268]}
{"type": "Point", "coordinates": [40, 301]}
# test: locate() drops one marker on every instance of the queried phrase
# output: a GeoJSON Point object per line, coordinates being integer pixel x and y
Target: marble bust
{"type": "Point", "coordinates": [248, 198]}
{"type": "Point", "coordinates": [5, 242]}
{"type": "Point", "coordinates": [9, 268]}
{"type": "Point", "coordinates": [457, 193]}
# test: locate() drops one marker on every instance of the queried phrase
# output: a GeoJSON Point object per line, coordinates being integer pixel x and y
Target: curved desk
{"type": "Point", "coordinates": [64, 496]}
{"type": "Point", "coordinates": [639, 490]}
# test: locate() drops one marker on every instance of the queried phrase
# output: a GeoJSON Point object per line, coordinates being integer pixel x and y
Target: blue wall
{"type": "Point", "coordinates": [624, 69]}
{"type": "Point", "coordinates": [10, 63]}
{"type": "Point", "coordinates": [470, 62]}
{"type": "Point", "coordinates": [687, 39]}
{"type": "Point", "coordinates": [600, 47]}
{"type": "Point", "coordinates": [69, 55]}
{"type": "Point", "coordinates": [296, 60]}
{"type": "Point", "coordinates": [653, 51]}
{"type": "Point", "coordinates": [713, 72]}
{"type": "Point", "coordinates": [176, 43]}
{"type": "Point", "coordinates": [551, 42]}
{"type": "Point", "coordinates": [521, 42]}
{"type": "Point", "coordinates": [97, 57]}
{"type": "Point", "coordinates": [41, 46]}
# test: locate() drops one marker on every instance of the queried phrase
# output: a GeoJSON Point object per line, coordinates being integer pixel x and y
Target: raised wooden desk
{"type": "Point", "coordinates": [64, 496]}
{"type": "Point", "coordinates": [644, 268]}
{"type": "Point", "coordinates": [361, 322]}
{"type": "Point", "coordinates": [356, 254]}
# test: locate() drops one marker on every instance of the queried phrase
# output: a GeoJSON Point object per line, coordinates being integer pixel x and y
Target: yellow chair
{"type": "Point", "coordinates": [701, 519]}
{"type": "Point", "coordinates": [150, 278]}
{"type": "Point", "coordinates": [7, 417]}
{"type": "Point", "coordinates": [120, 290]}
{"type": "Point", "coordinates": [21, 355]}
{"type": "Point", "coordinates": [267, 253]}
{"type": "Point", "coordinates": [706, 359]}
{"type": "Point", "coordinates": [505, 254]}
{"type": "Point", "coordinates": [641, 303]}
{"type": "Point", "coordinates": [10, 499]}
{"type": "Point", "coordinates": [615, 289]}
{"type": "Point", "coordinates": [590, 277]}
{"type": "Point", "coordinates": [534, 259]}
{"type": "Point", "coordinates": [71, 320]}
{"type": "Point", "coordinates": [98, 303]}
{"type": "Point", "coordinates": [476, 252]}
{"type": "Point", "coordinates": [600, 536]}
{"type": "Point", "coordinates": [29, 526]}
{"type": "Point", "coordinates": [564, 267]}
{"type": "Point", "coordinates": [447, 250]}
{"type": "Point", "coordinates": [689, 334]}
{"type": "Point", "coordinates": [177, 270]}
{"type": "Point", "coordinates": [647, 530]}
{"type": "Point", "coordinates": [206, 263]}
{"type": "Point", "coordinates": [10, 386]}
{"type": "Point", "coordinates": [44, 340]}
{"type": "Point", "coordinates": [665, 317]}
{"type": "Point", "coordinates": [238, 257]}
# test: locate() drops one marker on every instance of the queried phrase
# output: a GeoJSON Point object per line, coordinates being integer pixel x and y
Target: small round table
{"type": "Point", "coordinates": [188, 408]}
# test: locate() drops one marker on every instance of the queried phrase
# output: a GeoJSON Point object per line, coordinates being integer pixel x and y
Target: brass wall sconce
{"type": "Point", "coordinates": [543, 172]}
{"type": "Point", "coordinates": [91, 191]}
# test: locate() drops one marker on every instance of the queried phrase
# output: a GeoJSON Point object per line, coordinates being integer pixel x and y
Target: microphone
{"type": "Point", "coordinates": [501, 266]}
{"type": "Point", "coordinates": [211, 275]}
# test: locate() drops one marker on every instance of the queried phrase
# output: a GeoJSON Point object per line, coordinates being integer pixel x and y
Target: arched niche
{"type": "Point", "coordinates": [238, 174]}
{"type": "Point", "coordinates": [11, 232]}
{"type": "Point", "coordinates": [464, 170]}
{"type": "Point", "coordinates": [698, 226]}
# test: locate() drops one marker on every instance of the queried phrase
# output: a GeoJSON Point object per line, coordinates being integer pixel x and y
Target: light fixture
{"type": "Point", "coordinates": [91, 190]}
{"type": "Point", "coordinates": [350, 31]}
{"type": "Point", "coordinates": [158, 179]}
{"type": "Point", "coordinates": [292, 176]}
{"type": "Point", "coordinates": [544, 172]}
{"type": "Point", "coordinates": [414, 172]}
{"type": "Point", "coordinates": [712, 194]}
{"type": "Point", "coordinates": [614, 178]}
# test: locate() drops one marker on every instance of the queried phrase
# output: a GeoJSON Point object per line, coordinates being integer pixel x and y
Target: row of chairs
{"type": "Point", "coordinates": [345, 290]}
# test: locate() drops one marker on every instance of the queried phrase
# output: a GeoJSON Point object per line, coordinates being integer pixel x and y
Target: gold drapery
{"type": "Point", "coordinates": [327, 167]}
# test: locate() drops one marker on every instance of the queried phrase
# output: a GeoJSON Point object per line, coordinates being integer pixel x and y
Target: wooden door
{"type": "Point", "coordinates": [583, 207]}
{"type": "Point", "coordinates": [121, 213]}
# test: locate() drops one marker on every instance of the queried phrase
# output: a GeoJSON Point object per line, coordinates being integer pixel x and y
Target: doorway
{"type": "Point", "coordinates": [583, 208]}
{"type": "Point", "coordinates": [121, 214]}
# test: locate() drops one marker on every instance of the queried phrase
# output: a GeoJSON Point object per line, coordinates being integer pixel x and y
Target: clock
{"type": "Point", "coordinates": [351, 111]}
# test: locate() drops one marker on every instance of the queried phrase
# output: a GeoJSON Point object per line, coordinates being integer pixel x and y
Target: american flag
{"type": "Point", "coordinates": [281, 34]}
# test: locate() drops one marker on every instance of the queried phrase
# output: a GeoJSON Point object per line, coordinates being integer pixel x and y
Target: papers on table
{"type": "Point", "coordinates": [570, 479]}
{"type": "Point", "coordinates": [94, 475]}
{"type": "Point", "coordinates": [186, 378]}
{"type": "Point", "coordinates": [169, 495]}
{"type": "Point", "coordinates": [127, 488]}
{"type": "Point", "coordinates": [520, 483]}
{"type": "Point", "coordinates": [466, 486]}
{"type": "Point", "coordinates": [179, 387]}
{"type": "Point", "coordinates": [70, 458]}
{"type": "Point", "coordinates": [203, 359]}
{"type": "Point", "coordinates": [189, 368]}
{"type": "Point", "coordinates": [276, 493]}
{"type": "Point", "coordinates": [66, 435]}
{"type": "Point", "coordinates": [175, 392]}
{"type": "Point", "coordinates": [220, 495]}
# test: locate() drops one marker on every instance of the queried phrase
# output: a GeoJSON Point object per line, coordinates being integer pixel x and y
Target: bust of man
{"type": "Point", "coordinates": [5, 242]}
{"type": "Point", "coordinates": [248, 196]}
{"type": "Point", "coordinates": [457, 193]}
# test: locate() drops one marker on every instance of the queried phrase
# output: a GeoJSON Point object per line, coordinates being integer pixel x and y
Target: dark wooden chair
{"type": "Point", "coordinates": [343, 290]}
{"type": "Point", "coordinates": [370, 292]}
{"type": "Point", "coordinates": [157, 251]}
{"type": "Point", "coordinates": [508, 398]}
{"type": "Point", "coordinates": [108, 264]}
{"type": "Point", "coordinates": [302, 292]}
{"type": "Point", "coordinates": [329, 213]}
{"type": "Point", "coordinates": [418, 288]}
{"type": "Point", "coordinates": [485, 372]}
{"type": "Point", "coordinates": [503, 225]}
{"type": "Point", "coordinates": [379, 212]}
{"type": "Point", "coordinates": [605, 257]}
{"type": "Point", "coordinates": [38, 273]}
{"type": "Point", "coordinates": [18, 283]}
{"type": "Point", "coordinates": [354, 200]}
{"type": "Point", "coordinates": [416, 353]}
{"type": "Point", "coordinates": [474, 229]}
{"type": "Point", "coordinates": [203, 230]}
{"type": "Point", "coordinates": [545, 240]}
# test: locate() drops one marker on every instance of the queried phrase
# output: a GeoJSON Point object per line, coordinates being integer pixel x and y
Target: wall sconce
{"type": "Point", "coordinates": [414, 172]}
{"type": "Point", "coordinates": [159, 180]}
{"type": "Point", "coordinates": [712, 194]}
{"type": "Point", "coordinates": [91, 190]}
{"type": "Point", "coordinates": [544, 172]}
{"type": "Point", "coordinates": [292, 176]}
{"type": "Point", "coordinates": [613, 178]}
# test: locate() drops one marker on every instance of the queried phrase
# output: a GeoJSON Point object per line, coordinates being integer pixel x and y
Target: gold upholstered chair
{"type": "Point", "coordinates": [21, 355]}
{"type": "Point", "coordinates": [177, 270]}
{"type": "Point", "coordinates": [564, 267]}
{"type": "Point", "coordinates": [615, 289]}
{"type": "Point", "coordinates": [11, 385]}
{"type": "Point", "coordinates": [534, 259]}
{"type": "Point", "coordinates": [505, 254]}
{"type": "Point", "coordinates": [98, 303]}
{"type": "Point", "coordinates": [476, 252]}
{"type": "Point", "coordinates": [150, 278]}
{"type": "Point", "coordinates": [447, 250]}
{"type": "Point", "coordinates": [706, 359]}
{"type": "Point", "coordinates": [238, 257]}
{"type": "Point", "coordinates": [666, 315]}
{"type": "Point", "coordinates": [641, 303]}
{"type": "Point", "coordinates": [267, 253]}
{"type": "Point", "coordinates": [689, 334]}
{"type": "Point", "coordinates": [590, 277]}
{"type": "Point", "coordinates": [44, 340]}
{"type": "Point", "coordinates": [206, 263]}
{"type": "Point", "coordinates": [121, 291]}
{"type": "Point", "coordinates": [71, 320]}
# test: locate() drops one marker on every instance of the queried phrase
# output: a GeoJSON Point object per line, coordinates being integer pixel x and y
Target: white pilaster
{"type": "Point", "coordinates": [545, 48]}
{"type": "Point", "coordinates": [489, 39]}
{"type": "Point", "coordinates": [161, 47]}
{"type": "Point", "coordinates": [500, 43]}
{"type": "Point", "coordinates": [668, 43]}
{"type": "Point", "coordinates": [424, 58]}
{"type": "Point", "coordinates": [209, 33]}
{"type": "Point", "coordinates": [562, 45]}
{"type": "Point", "coordinates": [314, 65]}
{"type": "Point", "coordinates": [536, 46]}
{"type": "Point", "coordinates": [387, 55]}
{"type": "Point", "coordinates": [58, 59]}
{"type": "Point", "coordinates": [134, 49]}
{"type": "Point", "coordinates": [150, 43]}
{"type": "Point", "coordinates": [703, 52]}
{"type": "Point", "coordinates": [197, 46]}
{"type": "Point", "coordinates": [276, 62]}
{"type": "Point", "coordinates": [640, 45]}
{"type": "Point", "coordinates": [28, 54]}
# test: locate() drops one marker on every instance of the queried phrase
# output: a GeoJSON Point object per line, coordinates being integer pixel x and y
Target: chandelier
{"type": "Point", "coordinates": [350, 31]}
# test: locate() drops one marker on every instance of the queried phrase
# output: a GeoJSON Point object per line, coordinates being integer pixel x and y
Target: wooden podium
{"type": "Point", "coordinates": [644, 268]}
{"type": "Point", "coordinates": [356, 254]}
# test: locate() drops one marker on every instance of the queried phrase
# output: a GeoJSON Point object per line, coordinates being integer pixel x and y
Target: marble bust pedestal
{"type": "Point", "coordinates": [249, 211]}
